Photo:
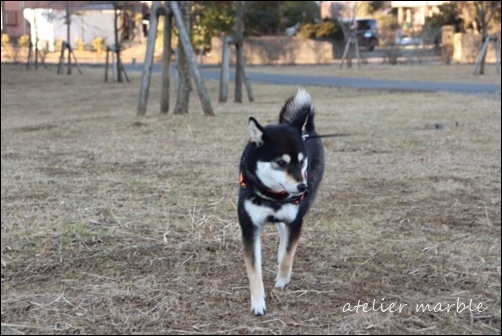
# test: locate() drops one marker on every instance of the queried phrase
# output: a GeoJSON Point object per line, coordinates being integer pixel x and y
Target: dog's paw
{"type": "Point", "coordinates": [282, 282]}
{"type": "Point", "coordinates": [258, 307]}
{"type": "Point", "coordinates": [259, 312]}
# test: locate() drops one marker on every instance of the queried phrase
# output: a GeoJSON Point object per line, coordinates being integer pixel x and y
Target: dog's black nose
{"type": "Point", "coordinates": [302, 187]}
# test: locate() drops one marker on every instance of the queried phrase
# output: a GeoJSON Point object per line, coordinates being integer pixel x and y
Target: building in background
{"type": "Point", "coordinates": [47, 19]}
{"type": "Point", "coordinates": [415, 13]}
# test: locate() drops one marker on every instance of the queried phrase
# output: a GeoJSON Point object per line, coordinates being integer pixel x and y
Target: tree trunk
{"type": "Point", "coordinates": [117, 41]}
{"type": "Point", "coordinates": [225, 70]}
{"type": "Point", "coordinates": [166, 61]}
{"type": "Point", "coordinates": [187, 45]}
{"type": "Point", "coordinates": [239, 42]}
{"type": "Point", "coordinates": [480, 7]}
{"type": "Point", "coordinates": [183, 95]}
{"type": "Point", "coordinates": [485, 11]}
{"type": "Point", "coordinates": [68, 22]}
{"type": "Point", "coordinates": [147, 67]}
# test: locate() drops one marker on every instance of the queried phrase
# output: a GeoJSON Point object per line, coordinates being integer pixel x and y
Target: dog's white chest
{"type": "Point", "coordinates": [260, 214]}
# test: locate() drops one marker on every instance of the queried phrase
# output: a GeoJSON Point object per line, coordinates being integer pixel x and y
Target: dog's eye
{"type": "Point", "coordinates": [281, 163]}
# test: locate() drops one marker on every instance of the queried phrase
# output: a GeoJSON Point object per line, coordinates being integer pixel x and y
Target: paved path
{"type": "Point", "coordinates": [381, 84]}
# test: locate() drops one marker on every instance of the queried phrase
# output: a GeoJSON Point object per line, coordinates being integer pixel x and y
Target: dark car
{"type": "Point", "coordinates": [366, 31]}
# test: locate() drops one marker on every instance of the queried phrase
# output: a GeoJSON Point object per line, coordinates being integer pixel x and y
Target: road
{"type": "Point", "coordinates": [380, 84]}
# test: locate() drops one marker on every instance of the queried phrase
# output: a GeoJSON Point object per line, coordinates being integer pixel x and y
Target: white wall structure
{"type": "Point", "coordinates": [86, 25]}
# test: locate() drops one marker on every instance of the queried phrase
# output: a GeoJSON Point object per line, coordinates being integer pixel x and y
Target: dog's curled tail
{"type": "Point", "coordinates": [295, 106]}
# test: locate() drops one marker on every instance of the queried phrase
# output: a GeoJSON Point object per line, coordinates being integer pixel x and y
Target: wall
{"type": "Point", "coordinates": [466, 48]}
{"type": "Point", "coordinates": [279, 50]}
{"type": "Point", "coordinates": [51, 26]}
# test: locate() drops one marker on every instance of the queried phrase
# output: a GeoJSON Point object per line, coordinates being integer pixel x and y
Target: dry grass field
{"type": "Point", "coordinates": [116, 224]}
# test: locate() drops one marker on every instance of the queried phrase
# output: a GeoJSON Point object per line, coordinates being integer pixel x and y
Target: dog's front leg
{"type": "Point", "coordinates": [289, 236]}
{"type": "Point", "coordinates": [252, 256]}
{"type": "Point", "coordinates": [283, 241]}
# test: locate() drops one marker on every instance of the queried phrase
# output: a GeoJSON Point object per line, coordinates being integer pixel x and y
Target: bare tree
{"type": "Point", "coordinates": [484, 12]}
{"type": "Point", "coordinates": [123, 30]}
{"type": "Point", "coordinates": [166, 59]}
{"type": "Point", "coordinates": [183, 95]}
{"type": "Point", "coordinates": [117, 40]}
{"type": "Point", "coordinates": [239, 43]}
{"type": "Point", "coordinates": [144, 88]}
{"type": "Point", "coordinates": [68, 25]}
{"type": "Point", "coordinates": [34, 48]}
{"type": "Point", "coordinates": [241, 9]}
{"type": "Point", "coordinates": [67, 46]}
{"type": "Point", "coordinates": [190, 56]}
{"type": "Point", "coordinates": [345, 14]}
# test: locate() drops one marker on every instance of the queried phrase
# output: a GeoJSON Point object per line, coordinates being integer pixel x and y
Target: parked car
{"type": "Point", "coordinates": [366, 32]}
{"type": "Point", "coordinates": [408, 40]}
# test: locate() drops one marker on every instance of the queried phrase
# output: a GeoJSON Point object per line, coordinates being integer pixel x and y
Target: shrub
{"type": "Point", "coordinates": [449, 14]}
{"type": "Point", "coordinates": [392, 54]}
{"type": "Point", "coordinates": [323, 30]}
{"type": "Point", "coordinates": [99, 44]}
{"type": "Point", "coordinates": [8, 48]}
{"type": "Point", "coordinates": [80, 44]}
{"type": "Point", "coordinates": [329, 29]}
{"type": "Point", "coordinates": [24, 41]}
{"type": "Point", "coordinates": [308, 31]}
{"type": "Point", "coordinates": [5, 41]}
{"type": "Point", "coordinates": [387, 25]}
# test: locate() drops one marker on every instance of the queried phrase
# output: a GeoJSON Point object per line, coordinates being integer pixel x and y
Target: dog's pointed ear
{"type": "Point", "coordinates": [300, 121]}
{"type": "Point", "coordinates": [255, 132]}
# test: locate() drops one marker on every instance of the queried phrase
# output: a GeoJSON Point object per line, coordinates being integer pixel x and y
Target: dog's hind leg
{"type": "Point", "coordinates": [252, 257]}
{"type": "Point", "coordinates": [289, 236]}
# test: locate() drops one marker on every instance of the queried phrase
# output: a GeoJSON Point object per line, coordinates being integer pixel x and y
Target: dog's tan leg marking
{"type": "Point", "coordinates": [286, 265]}
{"type": "Point", "coordinates": [253, 266]}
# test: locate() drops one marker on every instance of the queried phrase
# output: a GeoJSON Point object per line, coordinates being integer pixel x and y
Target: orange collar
{"type": "Point", "coordinates": [241, 181]}
{"type": "Point", "coordinates": [244, 185]}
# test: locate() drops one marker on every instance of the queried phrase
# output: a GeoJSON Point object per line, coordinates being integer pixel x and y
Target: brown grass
{"type": "Point", "coordinates": [113, 223]}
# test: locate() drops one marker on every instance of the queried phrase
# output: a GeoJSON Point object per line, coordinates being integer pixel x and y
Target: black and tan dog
{"type": "Point", "coordinates": [280, 171]}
